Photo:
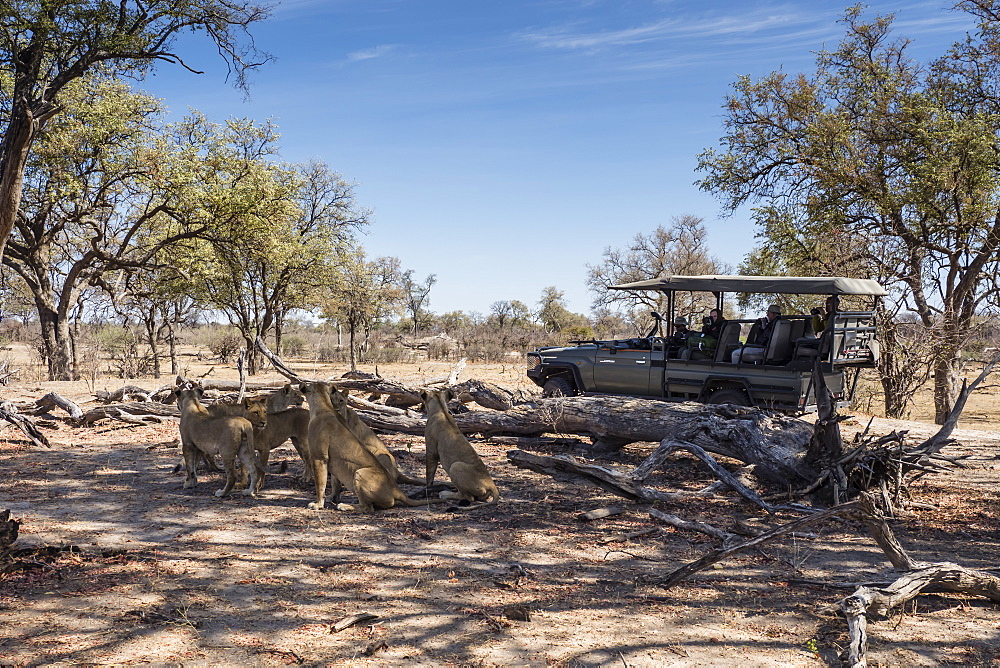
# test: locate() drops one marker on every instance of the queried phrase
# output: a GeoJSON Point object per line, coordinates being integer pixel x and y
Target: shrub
{"type": "Point", "coordinates": [293, 346]}
{"type": "Point", "coordinates": [225, 345]}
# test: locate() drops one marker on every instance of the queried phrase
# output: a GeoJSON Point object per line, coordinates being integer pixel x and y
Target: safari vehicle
{"type": "Point", "coordinates": [780, 378]}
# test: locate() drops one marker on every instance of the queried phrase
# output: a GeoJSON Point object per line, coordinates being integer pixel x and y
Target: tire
{"type": "Point", "coordinates": [558, 386]}
{"type": "Point", "coordinates": [737, 397]}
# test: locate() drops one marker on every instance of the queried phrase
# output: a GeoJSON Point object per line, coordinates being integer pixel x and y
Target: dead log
{"type": "Point", "coordinates": [485, 394]}
{"type": "Point", "coordinates": [567, 468]}
{"type": "Point", "coordinates": [8, 530]}
{"type": "Point", "coordinates": [8, 412]}
{"type": "Point", "coordinates": [919, 577]}
{"type": "Point", "coordinates": [52, 399]}
{"type": "Point", "coordinates": [131, 412]}
{"type": "Point", "coordinates": [126, 393]}
{"type": "Point", "coordinates": [234, 385]}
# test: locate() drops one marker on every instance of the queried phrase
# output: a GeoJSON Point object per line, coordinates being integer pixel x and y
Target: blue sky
{"type": "Point", "coordinates": [503, 145]}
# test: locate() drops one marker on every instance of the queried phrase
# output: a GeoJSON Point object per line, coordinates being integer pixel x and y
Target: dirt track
{"type": "Point", "coordinates": [171, 575]}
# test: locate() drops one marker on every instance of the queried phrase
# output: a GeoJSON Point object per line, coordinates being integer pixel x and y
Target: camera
{"type": "Point", "coordinates": [706, 320]}
{"type": "Point", "coordinates": [814, 311]}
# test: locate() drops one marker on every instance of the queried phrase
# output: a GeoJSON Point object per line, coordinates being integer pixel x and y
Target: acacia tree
{"type": "Point", "coordinates": [289, 236]}
{"type": "Point", "coordinates": [46, 45]}
{"type": "Point", "coordinates": [417, 296]}
{"type": "Point", "coordinates": [98, 201]}
{"type": "Point", "coordinates": [362, 294]}
{"type": "Point", "coordinates": [680, 249]}
{"type": "Point", "coordinates": [878, 148]}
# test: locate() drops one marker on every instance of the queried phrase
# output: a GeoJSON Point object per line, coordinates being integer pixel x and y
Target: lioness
{"type": "Point", "coordinates": [448, 445]}
{"type": "Point", "coordinates": [368, 438]}
{"type": "Point", "coordinates": [333, 448]}
{"type": "Point", "coordinates": [228, 435]}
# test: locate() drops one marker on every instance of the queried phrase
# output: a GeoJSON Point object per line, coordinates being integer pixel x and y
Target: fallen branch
{"type": "Point", "coordinates": [52, 399]}
{"type": "Point", "coordinates": [691, 525]}
{"type": "Point", "coordinates": [670, 445]}
{"type": "Point", "coordinates": [126, 393]}
{"type": "Point", "coordinates": [919, 577]}
{"type": "Point", "coordinates": [8, 412]}
{"type": "Point", "coordinates": [714, 556]}
{"type": "Point", "coordinates": [563, 467]}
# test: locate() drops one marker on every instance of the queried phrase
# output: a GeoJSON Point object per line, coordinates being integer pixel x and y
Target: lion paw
{"type": "Point", "coordinates": [315, 506]}
{"type": "Point", "coordinates": [220, 492]}
{"type": "Point", "coordinates": [249, 492]}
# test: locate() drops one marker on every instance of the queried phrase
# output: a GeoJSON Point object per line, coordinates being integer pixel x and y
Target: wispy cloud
{"type": "Point", "coordinates": [379, 51]}
{"type": "Point", "coordinates": [563, 38]}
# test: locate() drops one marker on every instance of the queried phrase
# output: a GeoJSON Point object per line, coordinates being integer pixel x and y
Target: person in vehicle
{"type": "Point", "coordinates": [821, 315]}
{"type": "Point", "coordinates": [708, 339]}
{"type": "Point", "coordinates": [678, 340]}
{"type": "Point", "coordinates": [760, 333]}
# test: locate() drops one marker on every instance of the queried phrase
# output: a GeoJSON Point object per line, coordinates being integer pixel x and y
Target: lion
{"type": "Point", "coordinates": [449, 446]}
{"type": "Point", "coordinates": [368, 438]}
{"type": "Point", "coordinates": [333, 448]}
{"type": "Point", "coordinates": [286, 419]}
{"type": "Point", "coordinates": [228, 435]}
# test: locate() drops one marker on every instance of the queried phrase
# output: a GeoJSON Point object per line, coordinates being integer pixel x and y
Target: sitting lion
{"type": "Point", "coordinates": [449, 446]}
{"type": "Point", "coordinates": [333, 448]}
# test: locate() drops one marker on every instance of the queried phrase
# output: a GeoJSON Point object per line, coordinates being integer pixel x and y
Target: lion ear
{"type": "Point", "coordinates": [448, 395]}
{"type": "Point", "coordinates": [423, 395]}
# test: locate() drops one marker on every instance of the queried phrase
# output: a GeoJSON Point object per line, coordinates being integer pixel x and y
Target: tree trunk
{"type": "Point", "coordinates": [56, 344]}
{"type": "Point", "coordinates": [945, 386]}
{"type": "Point", "coordinates": [152, 340]}
{"type": "Point", "coordinates": [14, 149]}
{"type": "Point", "coordinates": [776, 444]}
{"type": "Point", "coordinates": [354, 360]}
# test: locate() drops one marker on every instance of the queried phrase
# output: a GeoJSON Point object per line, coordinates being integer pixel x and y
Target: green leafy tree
{"type": "Point", "coordinates": [887, 160]}
{"type": "Point", "coordinates": [288, 233]}
{"type": "Point", "coordinates": [95, 206]}
{"type": "Point", "coordinates": [362, 295]}
{"type": "Point", "coordinates": [47, 45]}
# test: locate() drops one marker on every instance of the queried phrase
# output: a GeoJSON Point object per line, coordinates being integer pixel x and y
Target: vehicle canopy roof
{"type": "Point", "coordinates": [799, 285]}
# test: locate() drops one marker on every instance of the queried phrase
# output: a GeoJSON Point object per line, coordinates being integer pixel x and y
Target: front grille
{"type": "Point", "coordinates": [533, 361]}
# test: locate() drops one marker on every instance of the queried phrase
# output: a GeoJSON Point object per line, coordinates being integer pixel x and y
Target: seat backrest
{"type": "Point", "coordinates": [730, 336]}
{"type": "Point", "coordinates": [798, 329]}
{"type": "Point", "coordinates": [780, 345]}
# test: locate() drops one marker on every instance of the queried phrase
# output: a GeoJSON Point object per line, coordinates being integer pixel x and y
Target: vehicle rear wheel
{"type": "Point", "coordinates": [738, 397]}
{"type": "Point", "coordinates": [558, 386]}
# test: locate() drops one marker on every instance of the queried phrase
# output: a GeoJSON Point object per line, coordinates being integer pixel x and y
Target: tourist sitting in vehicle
{"type": "Point", "coordinates": [760, 334]}
{"type": "Point", "coordinates": [678, 340]}
{"type": "Point", "coordinates": [707, 340]}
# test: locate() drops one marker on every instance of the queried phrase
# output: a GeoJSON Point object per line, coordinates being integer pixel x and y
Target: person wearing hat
{"type": "Point", "coordinates": [678, 340]}
{"type": "Point", "coordinates": [760, 333]}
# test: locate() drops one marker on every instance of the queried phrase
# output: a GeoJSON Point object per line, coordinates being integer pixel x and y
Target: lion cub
{"type": "Point", "coordinates": [333, 448]}
{"type": "Point", "coordinates": [448, 445]}
{"type": "Point", "coordinates": [228, 435]}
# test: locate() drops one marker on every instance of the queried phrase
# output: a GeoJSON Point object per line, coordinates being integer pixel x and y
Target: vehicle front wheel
{"type": "Point", "coordinates": [558, 387]}
{"type": "Point", "coordinates": [738, 397]}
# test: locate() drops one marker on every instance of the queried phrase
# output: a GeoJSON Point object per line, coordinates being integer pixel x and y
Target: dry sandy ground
{"type": "Point", "coordinates": [157, 573]}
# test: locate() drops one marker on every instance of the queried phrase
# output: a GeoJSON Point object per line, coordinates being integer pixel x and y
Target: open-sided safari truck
{"type": "Point", "coordinates": [777, 378]}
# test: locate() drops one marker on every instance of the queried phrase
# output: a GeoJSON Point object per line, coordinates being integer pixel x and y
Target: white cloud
{"type": "Point", "coordinates": [375, 52]}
